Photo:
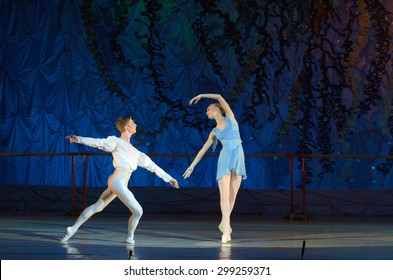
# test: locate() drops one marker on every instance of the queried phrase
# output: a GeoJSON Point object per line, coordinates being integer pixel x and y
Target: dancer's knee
{"type": "Point", "coordinates": [137, 212]}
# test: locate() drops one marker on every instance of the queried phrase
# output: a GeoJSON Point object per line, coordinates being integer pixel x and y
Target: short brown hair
{"type": "Point", "coordinates": [122, 122]}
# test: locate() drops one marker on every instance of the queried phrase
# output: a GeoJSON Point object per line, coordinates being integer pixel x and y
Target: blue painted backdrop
{"type": "Point", "coordinates": [311, 77]}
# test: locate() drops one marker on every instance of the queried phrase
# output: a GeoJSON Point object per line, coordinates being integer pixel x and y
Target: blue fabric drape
{"type": "Point", "coordinates": [51, 85]}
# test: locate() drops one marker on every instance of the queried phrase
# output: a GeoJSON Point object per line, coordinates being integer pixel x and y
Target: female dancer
{"type": "Point", "coordinates": [231, 166]}
{"type": "Point", "coordinates": [126, 158]}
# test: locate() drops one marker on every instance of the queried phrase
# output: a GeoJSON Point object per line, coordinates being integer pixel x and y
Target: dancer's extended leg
{"type": "Point", "coordinates": [106, 197]}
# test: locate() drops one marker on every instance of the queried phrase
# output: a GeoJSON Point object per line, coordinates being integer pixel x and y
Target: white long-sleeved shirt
{"type": "Point", "coordinates": [125, 155]}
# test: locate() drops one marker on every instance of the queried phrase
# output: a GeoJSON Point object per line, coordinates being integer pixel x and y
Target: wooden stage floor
{"type": "Point", "coordinates": [195, 237]}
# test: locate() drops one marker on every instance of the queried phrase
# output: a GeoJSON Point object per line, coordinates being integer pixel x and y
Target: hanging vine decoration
{"type": "Point", "coordinates": [202, 34]}
{"type": "Point", "coordinates": [342, 113]}
{"type": "Point", "coordinates": [248, 13]}
{"type": "Point", "coordinates": [293, 98]}
{"type": "Point", "coordinates": [334, 53]}
{"type": "Point", "coordinates": [232, 35]}
{"type": "Point", "coordinates": [346, 118]}
{"type": "Point", "coordinates": [289, 42]}
{"type": "Point", "coordinates": [304, 124]}
{"type": "Point", "coordinates": [154, 48]}
{"type": "Point", "coordinates": [120, 21]}
{"type": "Point", "coordinates": [286, 15]}
{"type": "Point", "coordinates": [260, 93]}
{"type": "Point", "coordinates": [387, 128]}
{"type": "Point", "coordinates": [292, 38]}
{"type": "Point", "coordinates": [246, 73]}
{"type": "Point", "coordinates": [327, 95]}
{"type": "Point", "coordinates": [383, 56]}
{"type": "Point", "coordinates": [294, 107]}
{"type": "Point", "coordinates": [386, 116]}
{"type": "Point", "coordinates": [323, 138]}
{"type": "Point", "coordinates": [358, 48]}
{"type": "Point", "coordinates": [91, 22]}
{"type": "Point", "coordinates": [378, 66]}
{"type": "Point", "coordinates": [255, 66]}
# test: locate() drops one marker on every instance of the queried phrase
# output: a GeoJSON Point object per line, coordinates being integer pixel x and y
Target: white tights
{"type": "Point", "coordinates": [117, 187]}
{"type": "Point", "coordinates": [229, 186]}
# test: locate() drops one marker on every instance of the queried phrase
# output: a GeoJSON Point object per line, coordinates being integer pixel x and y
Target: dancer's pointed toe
{"type": "Point", "coordinates": [130, 241]}
{"type": "Point", "coordinates": [67, 235]}
{"type": "Point", "coordinates": [225, 239]}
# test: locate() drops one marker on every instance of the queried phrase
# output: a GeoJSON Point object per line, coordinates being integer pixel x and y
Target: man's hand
{"type": "Point", "coordinates": [174, 183]}
{"type": "Point", "coordinates": [73, 138]}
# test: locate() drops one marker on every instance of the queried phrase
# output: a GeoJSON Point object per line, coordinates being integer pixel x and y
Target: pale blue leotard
{"type": "Point", "coordinates": [231, 156]}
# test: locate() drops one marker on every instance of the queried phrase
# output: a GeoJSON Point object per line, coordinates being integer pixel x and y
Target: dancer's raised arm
{"type": "Point", "coordinates": [224, 104]}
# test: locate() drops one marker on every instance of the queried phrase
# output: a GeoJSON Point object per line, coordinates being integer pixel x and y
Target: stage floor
{"type": "Point", "coordinates": [196, 237]}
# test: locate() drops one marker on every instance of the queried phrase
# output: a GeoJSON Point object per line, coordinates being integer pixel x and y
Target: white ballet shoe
{"type": "Point", "coordinates": [130, 241]}
{"type": "Point", "coordinates": [67, 235]}
{"type": "Point", "coordinates": [225, 239]}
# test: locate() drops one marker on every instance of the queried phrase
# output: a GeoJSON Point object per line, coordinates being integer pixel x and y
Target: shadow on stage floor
{"type": "Point", "coordinates": [195, 237]}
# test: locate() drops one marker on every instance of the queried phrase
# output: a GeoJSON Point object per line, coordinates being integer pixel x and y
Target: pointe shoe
{"type": "Point", "coordinates": [225, 238]}
{"type": "Point", "coordinates": [130, 241]}
{"type": "Point", "coordinates": [67, 235]}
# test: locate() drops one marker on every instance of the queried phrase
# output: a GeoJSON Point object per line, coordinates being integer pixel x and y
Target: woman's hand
{"type": "Point", "coordinates": [195, 99]}
{"type": "Point", "coordinates": [73, 138]}
{"type": "Point", "coordinates": [188, 172]}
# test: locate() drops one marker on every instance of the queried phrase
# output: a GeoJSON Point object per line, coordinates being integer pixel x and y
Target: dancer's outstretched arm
{"type": "Point", "coordinates": [105, 144]}
{"type": "Point", "coordinates": [200, 154]}
{"type": "Point", "coordinates": [146, 162]}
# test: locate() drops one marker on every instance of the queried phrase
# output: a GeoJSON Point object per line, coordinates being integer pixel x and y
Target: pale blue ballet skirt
{"type": "Point", "coordinates": [231, 156]}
